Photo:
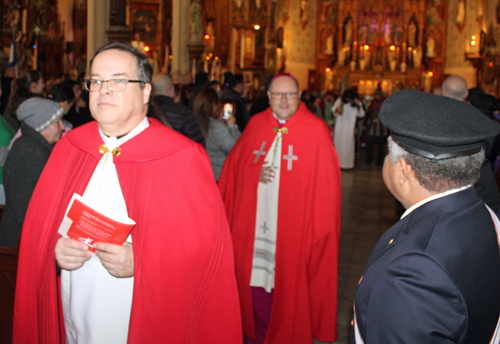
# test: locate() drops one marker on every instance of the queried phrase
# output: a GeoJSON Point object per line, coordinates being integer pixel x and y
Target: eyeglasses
{"type": "Point", "coordinates": [115, 85]}
{"type": "Point", "coordinates": [288, 95]}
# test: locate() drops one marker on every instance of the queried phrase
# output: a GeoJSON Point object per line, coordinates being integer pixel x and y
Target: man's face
{"type": "Point", "coordinates": [284, 97]}
{"type": "Point", "coordinates": [117, 113]}
{"type": "Point", "coordinates": [53, 132]}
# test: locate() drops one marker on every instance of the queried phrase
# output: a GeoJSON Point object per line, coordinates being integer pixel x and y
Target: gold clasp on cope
{"type": "Point", "coordinates": [103, 149]}
{"type": "Point", "coordinates": [283, 130]}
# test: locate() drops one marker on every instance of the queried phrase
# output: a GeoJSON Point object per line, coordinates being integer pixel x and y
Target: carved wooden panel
{"type": "Point", "coordinates": [386, 39]}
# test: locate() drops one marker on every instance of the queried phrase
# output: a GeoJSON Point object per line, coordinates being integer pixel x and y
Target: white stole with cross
{"type": "Point", "coordinates": [96, 305]}
{"type": "Point", "coordinates": [266, 225]}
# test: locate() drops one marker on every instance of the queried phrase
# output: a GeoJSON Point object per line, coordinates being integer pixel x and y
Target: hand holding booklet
{"type": "Point", "coordinates": [90, 223]}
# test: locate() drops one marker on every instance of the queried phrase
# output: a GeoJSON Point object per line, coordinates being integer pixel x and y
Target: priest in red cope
{"type": "Point", "coordinates": [173, 279]}
{"type": "Point", "coordinates": [281, 187]}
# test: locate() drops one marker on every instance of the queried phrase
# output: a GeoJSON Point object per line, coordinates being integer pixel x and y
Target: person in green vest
{"type": "Point", "coordinates": [6, 135]}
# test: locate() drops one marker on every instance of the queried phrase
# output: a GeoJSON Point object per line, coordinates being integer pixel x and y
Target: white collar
{"type": "Point", "coordinates": [431, 198]}
{"type": "Point", "coordinates": [281, 121]}
{"type": "Point", "coordinates": [113, 142]}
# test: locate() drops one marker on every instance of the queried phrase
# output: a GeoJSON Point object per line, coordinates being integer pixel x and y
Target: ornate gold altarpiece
{"type": "Point", "coordinates": [399, 44]}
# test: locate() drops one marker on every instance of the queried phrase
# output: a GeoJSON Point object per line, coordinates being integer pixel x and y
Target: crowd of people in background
{"type": "Point", "coordinates": [283, 145]}
{"type": "Point", "coordinates": [215, 114]}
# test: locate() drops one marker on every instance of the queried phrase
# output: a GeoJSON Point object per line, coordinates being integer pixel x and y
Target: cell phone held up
{"type": "Point", "coordinates": [228, 111]}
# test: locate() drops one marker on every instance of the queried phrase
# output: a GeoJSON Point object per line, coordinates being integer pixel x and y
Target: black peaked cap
{"type": "Point", "coordinates": [435, 127]}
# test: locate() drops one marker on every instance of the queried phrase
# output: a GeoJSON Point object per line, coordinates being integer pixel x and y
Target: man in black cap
{"type": "Point", "coordinates": [434, 276]}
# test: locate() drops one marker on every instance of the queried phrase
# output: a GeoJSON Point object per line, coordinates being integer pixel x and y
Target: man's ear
{"type": "Point", "coordinates": [405, 172]}
{"type": "Point", "coordinates": [146, 92]}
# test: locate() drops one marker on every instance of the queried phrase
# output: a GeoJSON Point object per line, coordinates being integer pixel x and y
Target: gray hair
{"type": "Point", "coordinates": [440, 175]}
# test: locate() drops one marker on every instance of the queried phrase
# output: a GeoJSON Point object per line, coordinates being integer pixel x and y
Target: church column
{"type": "Point", "coordinates": [97, 23]}
{"type": "Point", "coordinates": [180, 39]}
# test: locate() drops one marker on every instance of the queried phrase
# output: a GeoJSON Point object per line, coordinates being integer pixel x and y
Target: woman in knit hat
{"type": "Point", "coordinates": [41, 127]}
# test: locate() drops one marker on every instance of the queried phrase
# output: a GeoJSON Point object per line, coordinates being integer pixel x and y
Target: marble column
{"type": "Point", "coordinates": [180, 39]}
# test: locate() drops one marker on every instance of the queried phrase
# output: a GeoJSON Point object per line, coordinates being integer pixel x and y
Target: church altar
{"type": "Point", "coordinates": [399, 44]}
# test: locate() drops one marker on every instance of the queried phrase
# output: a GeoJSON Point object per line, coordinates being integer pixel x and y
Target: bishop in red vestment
{"type": "Point", "coordinates": [184, 288]}
{"type": "Point", "coordinates": [304, 295]}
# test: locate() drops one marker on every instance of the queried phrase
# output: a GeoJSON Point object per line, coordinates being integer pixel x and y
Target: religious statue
{"type": "Point", "coordinates": [364, 59]}
{"type": "Point", "coordinates": [329, 45]}
{"type": "Point", "coordinates": [341, 55]}
{"type": "Point", "coordinates": [239, 3]}
{"type": "Point", "coordinates": [361, 64]}
{"type": "Point", "coordinates": [391, 58]}
{"type": "Point", "coordinates": [402, 67]}
{"type": "Point", "coordinates": [348, 32]}
{"type": "Point", "coordinates": [460, 19]}
{"type": "Point", "coordinates": [430, 47]}
{"type": "Point", "coordinates": [412, 34]}
{"type": "Point", "coordinates": [398, 33]}
{"type": "Point", "coordinates": [195, 27]}
{"type": "Point", "coordinates": [387, 33]}
{"type": "Point", "coordinates": [373, 31]}
{"type": "Point", "coordinates": [257, 3]}
{"type": "Point", "coordinates": [304, 12]}
{"type": "Point", "coordinates": [327, 12]}
{"type": "Point", "coordinates": [362, 34]}
{"type": "Point", "coordinates": [367, 57]}
{"type": "Point", "coordinates": [417, 57]}
{"type": "Point", "coordinates": [137, 42]}
{"type": "Point", "coordinates": [433, 16]}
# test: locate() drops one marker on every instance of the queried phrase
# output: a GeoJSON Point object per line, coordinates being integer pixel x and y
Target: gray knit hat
{"type": "Point", "coordinates": [39, 113]}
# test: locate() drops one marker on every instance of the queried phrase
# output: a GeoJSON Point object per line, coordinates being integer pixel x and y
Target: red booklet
{"type": "Point", "coordinates": [89, 225]}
